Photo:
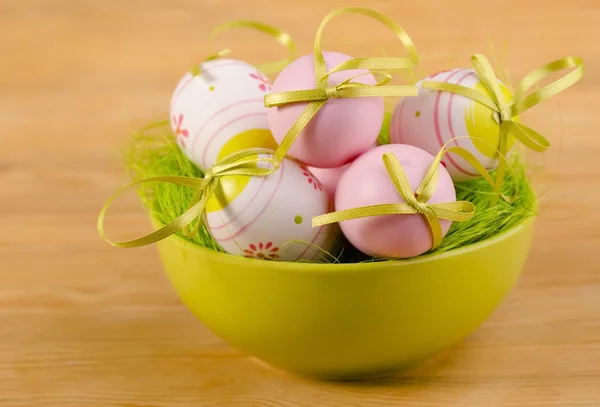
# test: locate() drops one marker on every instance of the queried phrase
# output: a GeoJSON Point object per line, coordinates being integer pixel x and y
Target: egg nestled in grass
{"type": "Point", "coordinates": [269, 217]}
{"type": "Point", "coordinates": [433, 118]}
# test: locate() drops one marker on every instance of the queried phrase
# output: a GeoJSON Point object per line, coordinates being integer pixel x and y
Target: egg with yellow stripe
{"type": "Point", "coordinates": [433, 118]}
{"type": "Point", "coordinates": [219, 110]}
{"type": "Point", "coordinates": [270, 217]}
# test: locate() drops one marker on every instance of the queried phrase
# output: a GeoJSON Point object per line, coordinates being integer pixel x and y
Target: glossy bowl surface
{"type": "Point", "coordinates": [346, 321]}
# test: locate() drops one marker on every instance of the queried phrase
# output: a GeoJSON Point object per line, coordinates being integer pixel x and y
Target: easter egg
{"type": "Point", "coordinates": [220, 111]}
{"type": "Point", "coordinates": [329, 177]}
{"type": "Point", "coordinates": [269, 217]}
{"type": "Point", "coordinates": [432, 118]}
{"type": "Point", "coordinates": [341, 130]}
{"type": "Point", "coordinates": [366, 182]}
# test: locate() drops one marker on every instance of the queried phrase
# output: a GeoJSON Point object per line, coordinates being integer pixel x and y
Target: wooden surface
{"type": "Point", "coordinates": [84, 324]}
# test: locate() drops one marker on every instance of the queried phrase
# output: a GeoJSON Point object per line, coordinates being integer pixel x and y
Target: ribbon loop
{"type": "Point", "coordinates": [238, 164]}
{"type": "Point", "coordinates": [280, 36]}
{"type": "Point", "coordinates": [242, 165]}
{"type": "Point", "coordinates": [417, 202]}
{"type": "Point", "coordinates": [504, 111]}
{"type": "Point", "coordinates": [368, 63]}
{"type": "Point", "coordinates": [347, 89]}
{"type": "Point", "coordinates": [414, 202]}
{"type": "Point", "coordinates": [536, 76]}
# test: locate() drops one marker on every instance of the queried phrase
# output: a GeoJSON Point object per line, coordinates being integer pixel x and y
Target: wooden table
{"type": "Point", "coordinates": [84, 324]}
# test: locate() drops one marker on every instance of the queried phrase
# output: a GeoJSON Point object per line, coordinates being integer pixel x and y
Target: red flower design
{"type": "Point", "coordinates": [180, 132]}
{"type": "Point", "coordinates": [262, 251]}
{"type": "Point", "coordinates": [311, 178]}
{"type": "Point", "coordinates": [264, 84]}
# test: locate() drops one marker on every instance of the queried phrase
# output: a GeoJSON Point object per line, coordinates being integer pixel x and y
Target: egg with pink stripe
{"type": "Point", "coordinates": [220, 110]}
{"type": "Point", "coordinates": [433, 118]}
{"type": "Point", "coordinates": [270, 217]}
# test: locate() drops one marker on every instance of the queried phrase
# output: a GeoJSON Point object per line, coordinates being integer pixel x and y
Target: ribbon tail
{"type": "Point", "coordinates": [363, 212]}
{"type": "Point", "coordinates": [435, 228]}
{"type": "Point", "coordinates": [474, 162]}
{"type": "Point", "coordinates": [200, 205]}
{"type": "Point", "coordinates": [294, 96]}
{"type": "Point", "coordinates": [459, 211]}
{"type": "Point", "coordinates": [505, 128]}
{"type": "Point", "coordinates": [398, 177]}
{"type": "Point", "coordinates": [305, 117]}
{"type": "Point", "coordinates": [530, 138]}
{"type": "Point", "coordinates": [177, 224]}
{"type": "Point", "coordinates": [488, 77]}
{"type": "Point", "coordinates": [461, 90]}
{"type": "Point", "coordinates": [429, 184]}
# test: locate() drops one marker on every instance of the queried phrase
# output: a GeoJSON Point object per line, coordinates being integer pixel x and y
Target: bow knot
{"type": "Point", "coordinates": [420, 207]}
{"type": "Point", "coordinates": [504, 112]}
{"type": "Point", "coordinates": [414, 202]}
{"type": "Point", "coordinates": [331, 92]}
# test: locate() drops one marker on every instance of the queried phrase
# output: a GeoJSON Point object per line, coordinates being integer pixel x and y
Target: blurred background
{"type": "Point", "coordinates": [82, 323]}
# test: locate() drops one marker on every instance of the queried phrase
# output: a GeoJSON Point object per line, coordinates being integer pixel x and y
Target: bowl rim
{"type": "Point", "coordinates": [240, 261]}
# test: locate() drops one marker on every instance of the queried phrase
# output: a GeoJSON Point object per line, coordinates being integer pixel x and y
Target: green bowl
{"type": "Point", "coordinates": [346, 321]}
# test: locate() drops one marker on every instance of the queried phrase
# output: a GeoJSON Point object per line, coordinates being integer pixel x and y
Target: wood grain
{"type": "Point", "coordinates": [83, 324]}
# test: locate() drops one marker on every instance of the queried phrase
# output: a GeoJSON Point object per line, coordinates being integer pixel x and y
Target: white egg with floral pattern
{"type": "Point", "coordinates": [270, 217]}
{"type": "Point", "coordinates": [220, 110]}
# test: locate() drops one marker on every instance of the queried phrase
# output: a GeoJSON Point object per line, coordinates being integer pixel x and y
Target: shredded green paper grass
{"type": "Point", "coordinates": [154, 152]}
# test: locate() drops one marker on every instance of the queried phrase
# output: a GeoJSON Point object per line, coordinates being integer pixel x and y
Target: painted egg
{"type": "Point", "coordinates": [270, 217]}
{"type": "Point", "coordinates": [366, 182]}
{"type": "Point", "coordinates": [342, 129]}
{"type": "Point", "coordinates": [329, 177]}
{"type": "Point", "coordinates": [221, 111]}
{"type": "Point", "coordinates": [432, 118]}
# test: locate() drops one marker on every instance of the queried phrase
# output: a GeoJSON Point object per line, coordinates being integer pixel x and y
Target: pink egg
{"type": "Point", "coordinates": [329, 177]}
{"type": "Point", "coordinates": [342, 129]}
{"type": "Point", "coordinates": [366, 182]}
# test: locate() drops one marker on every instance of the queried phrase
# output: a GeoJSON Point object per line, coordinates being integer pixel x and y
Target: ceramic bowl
{"type": "Point", "coordinates": [346, 321]}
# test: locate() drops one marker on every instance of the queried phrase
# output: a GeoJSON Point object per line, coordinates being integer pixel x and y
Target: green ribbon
{"type": "Point", "coordinates": [322, 92]}
{"type": "Point", "coordinates": [505, 111]}
{"type": "Point", "coordinates": [240, 164]}
{"type": "Point", "coordinates": [416, 202]}
{"type": "Point", "coordinates": [236, 164]}
{"type": "Point", "coordinates": [280, 36]}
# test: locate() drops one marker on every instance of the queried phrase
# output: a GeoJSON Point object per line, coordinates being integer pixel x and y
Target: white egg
{"type": "Point", "coordinates": [433, 118]}
{"type": "Point", "coordinates": [220, 111]}
{"type": "Point", "coordinates": [270, 217]}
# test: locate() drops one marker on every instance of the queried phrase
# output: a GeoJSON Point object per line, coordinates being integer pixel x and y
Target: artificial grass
{"type": "Point", "coordinates": [154, 152]}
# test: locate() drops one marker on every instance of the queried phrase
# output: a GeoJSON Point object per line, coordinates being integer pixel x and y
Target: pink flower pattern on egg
{"type": "Point", "coordinates": [180, 132]}
{"type": "Point", "coordinates": [264, 83]}
{"type": "Point", "coordinates": [262, 251]}
{"type": "Point", "coordinates": [311, 178]}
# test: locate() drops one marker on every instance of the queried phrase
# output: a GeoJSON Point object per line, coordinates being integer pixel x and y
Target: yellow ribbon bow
{"type": "Point", "coordinates": [280, 36]}
{"type": "Point", "coordinates": [504, 111]}
{"type": "Point", "coordinates": [416, 202]}
{"type": "Point", "coordinates": [240, 164]}
{"type": "Point", "coordinates": [206, 187]}
{"type": "Point", "coordinates": [347, 89]}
